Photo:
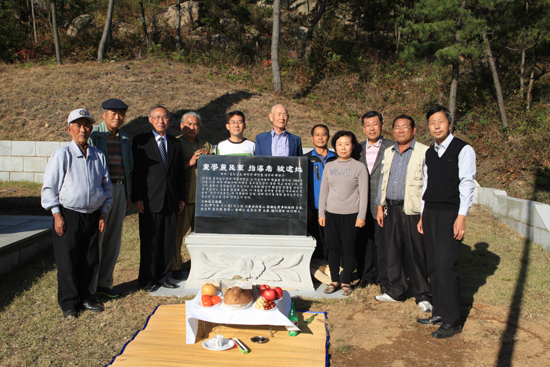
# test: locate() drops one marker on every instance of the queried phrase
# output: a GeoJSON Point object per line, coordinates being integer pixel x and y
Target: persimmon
{"type": "Point", "coordinates": [215, 300]}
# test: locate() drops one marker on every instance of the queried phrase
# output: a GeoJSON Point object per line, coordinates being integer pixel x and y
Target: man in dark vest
{"type": "Point", "coordinates": [448, 192]}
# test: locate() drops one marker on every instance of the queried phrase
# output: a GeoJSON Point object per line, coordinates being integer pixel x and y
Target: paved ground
{"type": "Point", "coordinates": [20, 227]}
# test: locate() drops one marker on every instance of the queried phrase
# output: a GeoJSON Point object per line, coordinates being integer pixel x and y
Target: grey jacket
{"type": "Point", "coordinates": [97, 139]}
{"type": "Point", "coordinates": [374, 176]}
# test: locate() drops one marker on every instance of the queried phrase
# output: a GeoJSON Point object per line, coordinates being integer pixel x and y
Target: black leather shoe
{"type": "Point", "coordinates": [91, 305]}
{"type": "Point", "coordinates": [70, 314]}
{"type": "Point", "coordinates": [168, 284]}
{"type": "Point", "coordinates": [177, 274]}
{"type": "Point", "coordinates": [434, 320]}
{"type": "Point", "coordinates": [383, 289]}
{"type": "Point", "coordinates": [364, 283]}
{"type": "Point", "coordinates": [446, 331]}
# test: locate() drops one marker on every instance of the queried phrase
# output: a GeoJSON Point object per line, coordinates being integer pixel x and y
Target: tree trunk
{"type": "Point", "coordinates": [55, 34]}
{"type": "Point", "coordinates": [106, 31]}
{"type": "Point", "coordinates": [530, 89]}
{"type": "Point", "coordinates": [178, 26]}
{"type": "Point", "coordinates": [143, 22]}
{"type": "Point", "coordinates": [523, 50]}
{"type": "Point", "coordinates": [397, 45]}
{"type": "Point", "coordinates": [455, 70]}
{"type": "Point", "coordinates": [309, 37]}
{"type": "Point", "coordinates": [33, 22]}
{"type": "Point", "coordinates": [500, 98]}
{"type": "Point", "coordinates": [275, 68]}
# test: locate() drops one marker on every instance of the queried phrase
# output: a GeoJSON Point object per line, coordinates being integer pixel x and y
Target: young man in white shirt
{"type": "Point", "coordinates": [237, 144]}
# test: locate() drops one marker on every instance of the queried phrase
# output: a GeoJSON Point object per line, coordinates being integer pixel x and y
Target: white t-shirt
{"type": "Point", "coordinates": [227, 147]}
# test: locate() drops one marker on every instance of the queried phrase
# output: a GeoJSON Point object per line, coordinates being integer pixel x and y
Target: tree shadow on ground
{"type": "Point", "coordinates": [475, 267]}
{"type": "Point", "coordinates": [23, 278]}
{"type": "Point", "coordinates": [213, 116]}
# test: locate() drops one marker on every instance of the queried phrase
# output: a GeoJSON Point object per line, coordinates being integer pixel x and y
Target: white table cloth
{"type": "Point", "coordinates": [223, 315]}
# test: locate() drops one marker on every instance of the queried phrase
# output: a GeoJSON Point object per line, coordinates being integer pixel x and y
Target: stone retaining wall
{"type": "Point", "coordinates": [25, 160]}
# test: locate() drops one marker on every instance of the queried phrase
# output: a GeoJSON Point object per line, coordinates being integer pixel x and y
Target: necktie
{"type": "Point", "coordinates": [162, 149]}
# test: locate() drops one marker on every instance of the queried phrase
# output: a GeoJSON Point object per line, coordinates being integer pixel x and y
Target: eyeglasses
{"type": "Point", "coordinates": [164, 117]}
{"type": "Point", "coordinates": [404, 127]}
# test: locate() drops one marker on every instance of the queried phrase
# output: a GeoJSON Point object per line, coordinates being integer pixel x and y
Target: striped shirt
{"type": "Point", "coordinates": [114, 157]}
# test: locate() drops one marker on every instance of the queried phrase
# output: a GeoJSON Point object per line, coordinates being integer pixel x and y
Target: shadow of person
{"type": "Point", "coordinates": [475, 267]}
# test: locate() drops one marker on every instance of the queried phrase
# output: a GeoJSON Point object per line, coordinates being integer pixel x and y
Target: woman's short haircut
{"type": "Point", "coordinates": [341, 133]}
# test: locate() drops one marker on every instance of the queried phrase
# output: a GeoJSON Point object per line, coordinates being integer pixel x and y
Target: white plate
{"type": "Point", "coordinates": [271, 309]}
{"type": "Point", "coordinates": [210, 344]}
{"type": "Point", "coordinates": [199, 301]}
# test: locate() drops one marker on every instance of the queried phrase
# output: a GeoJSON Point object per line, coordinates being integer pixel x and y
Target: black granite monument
{"type": "Point", "coordinates": [251, 195]}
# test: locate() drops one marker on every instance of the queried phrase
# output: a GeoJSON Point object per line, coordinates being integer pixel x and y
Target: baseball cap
{"type": "Point", "coordinates": [78, 114]}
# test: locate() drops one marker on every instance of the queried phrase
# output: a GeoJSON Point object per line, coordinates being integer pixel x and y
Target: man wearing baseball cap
{"type": "Point", "coordinates": [77, 189]}
{"type": "Point", "coordinates": [115, 144]}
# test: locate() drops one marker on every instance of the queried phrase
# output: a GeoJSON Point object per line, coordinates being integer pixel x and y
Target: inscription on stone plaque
{"type": "Point", "coordinates": [251, 195]}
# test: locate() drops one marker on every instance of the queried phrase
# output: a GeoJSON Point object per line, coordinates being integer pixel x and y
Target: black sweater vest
{"type": "Point", "coordinates": [443, 181]}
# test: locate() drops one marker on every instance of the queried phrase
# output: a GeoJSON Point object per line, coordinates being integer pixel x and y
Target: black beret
{"type": "Point", "coordinates": [114, 105]}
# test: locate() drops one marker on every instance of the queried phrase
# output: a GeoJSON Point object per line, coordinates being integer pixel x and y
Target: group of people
{"type": "Point", "coordinates": [371, 204]}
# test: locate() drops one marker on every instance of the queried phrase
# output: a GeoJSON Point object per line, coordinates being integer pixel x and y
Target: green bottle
{"type": "Point", "coordinates": [293, 316]}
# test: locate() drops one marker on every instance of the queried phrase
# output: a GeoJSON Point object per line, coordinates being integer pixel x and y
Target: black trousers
{"type": "Point", "coordinates": [317, 232]}
{"type": "Point", "coordinates": [341, 235]}
{"type": "Point", "coordinates": [403, 239]}
{"type": "Point", "coordinates": [370, 242]}
{"type": "Point", "coordinates": [442, 254]}
{"type": "Point", "coordinates": [157, 234]}
{"type": "Point", "coordinates": [76, 257]}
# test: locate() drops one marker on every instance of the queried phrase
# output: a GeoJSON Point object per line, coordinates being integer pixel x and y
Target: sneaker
{"type": "Point", "coordinates": [425, 306]}
{"type": "Point", "coordinates": [109, 291]}
{"type": "Point", "coordinates": [384, 298]}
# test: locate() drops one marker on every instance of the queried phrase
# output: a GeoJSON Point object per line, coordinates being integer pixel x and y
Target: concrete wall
{"type": "Point", "coordinates": [25, 160]}
{"type": "Point", "coordinates": [530, 218]}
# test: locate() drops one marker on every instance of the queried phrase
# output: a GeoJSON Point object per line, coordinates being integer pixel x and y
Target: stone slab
{"type": "Point", "coordinates": [46, 148]}
{"type": "Point", "coordinates": [39, 177]}
{"type": "Point", "coordinates": [23, 148]}
{"type": "Point", "coordinates": [280, 260]}
{"type": "Point", "coordinates": [5, 147]}
{"type": "Point", "coordinates": [21, 176]}
{"type": "Point", "coordinates": [4, 176]}
{"type": "Point", "coordinates": [11, 164]}
{"type": "Point", "coordinates": [34, 164]}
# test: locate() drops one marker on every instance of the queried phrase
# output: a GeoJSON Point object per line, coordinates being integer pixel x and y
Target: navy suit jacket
{"type": "Point", "coordinates": [263, 145]}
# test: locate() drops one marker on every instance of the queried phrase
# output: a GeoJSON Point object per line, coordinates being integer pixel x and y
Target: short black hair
{"type": "Point", "coordinates": [436, 109]}
{"type": "Point", "coordinates": [235, 113]}
{"type": "Point", "coordinates": [406, 117]}
{"type": "Point", "coordinates": [370, 114]}
{"type": "Point", "coordinates": [320, 125]}
{"type": "Point", "coordinates": [341, 133]}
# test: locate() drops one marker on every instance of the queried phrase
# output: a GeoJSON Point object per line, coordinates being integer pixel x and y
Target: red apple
{"type": "Point", "coordinates": [279, 292]}
{"type": "Point", "coordinates": [270, 294]}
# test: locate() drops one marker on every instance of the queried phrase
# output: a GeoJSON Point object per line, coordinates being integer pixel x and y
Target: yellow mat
{"type": "Point", "coordinates": [162, 343]}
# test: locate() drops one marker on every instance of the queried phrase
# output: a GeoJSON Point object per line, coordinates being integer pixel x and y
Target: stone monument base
{"type": "Point", "coordinates": [275, 260]}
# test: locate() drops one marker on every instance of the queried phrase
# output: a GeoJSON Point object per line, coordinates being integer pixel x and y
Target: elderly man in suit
{"type": "Point", "coordinates": [158, 195]}
{"type": "Point", "coordinates": [278, 142]}
{"type": "Point", "coordinates": [371, 237]}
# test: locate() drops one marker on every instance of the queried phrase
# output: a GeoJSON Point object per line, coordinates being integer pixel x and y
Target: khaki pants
{"type": "Point", "coordinates": [186, 222]}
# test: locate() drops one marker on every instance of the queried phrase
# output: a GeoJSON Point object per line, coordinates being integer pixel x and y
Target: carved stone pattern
{"type": "Point", "coordinates": [269, 268]}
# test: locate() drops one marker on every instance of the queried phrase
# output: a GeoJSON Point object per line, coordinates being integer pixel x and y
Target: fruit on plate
{"type": "Point", "coordinates": [269, 294]}
{"type": "Point", "coordinates": [264, 304]}
{"type": "Point", "coordinates": [209, 289]}
{"type": "Point", "coordinates": [215, 300]}
{"type": "Point", "coordinates": [206, 301]}
{"type": "Point", "coordinates": [279, 292]}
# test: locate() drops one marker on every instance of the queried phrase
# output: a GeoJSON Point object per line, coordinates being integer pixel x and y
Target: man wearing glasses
{"type": "Point", "coordinates": [237, 144]}
{"type": "Point", "coordinates": [193, 147]}
{"type": "Point", "coordinates": [400, 189]}
{"type": "Point", "coordinates": [279, 142]}
{"type": "Point", "coordinates": [370, 152]}
{"type": "Point", "coordinates": [158, 195]}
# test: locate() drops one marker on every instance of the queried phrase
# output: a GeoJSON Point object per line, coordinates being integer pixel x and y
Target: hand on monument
{"type": "Point", "coordinates": [59, 224]}
{"type": "Point", "coordinates": [139, 206]}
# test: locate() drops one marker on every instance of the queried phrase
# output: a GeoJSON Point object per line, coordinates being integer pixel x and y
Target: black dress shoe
{"type": "Point", "coordinates": [70, 314]}
{"type": "Point", "coordinates": [446, 331]}
{"type": "Point", "coordinates": [434, 320]}
{"type": "Point", "coordinates": [92, 305]}
{"type": "Point", "coordinates": [168, 284]}
{"type": "Point", "coordinates": [364, 283]}
{"type": "Point", "coordinates": [177, 274]}
{"type": "Point", "coordinates": [383, 289]}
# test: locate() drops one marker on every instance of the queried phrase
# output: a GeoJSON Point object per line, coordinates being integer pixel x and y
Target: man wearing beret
{"type": "Point", "coordinates": [77, 189]}
{"type": "Point", "coordinates": [116, 146]}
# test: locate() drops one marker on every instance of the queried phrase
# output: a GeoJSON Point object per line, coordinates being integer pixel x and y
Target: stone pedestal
{"type": "Point", "coordinates": [275, 260]}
